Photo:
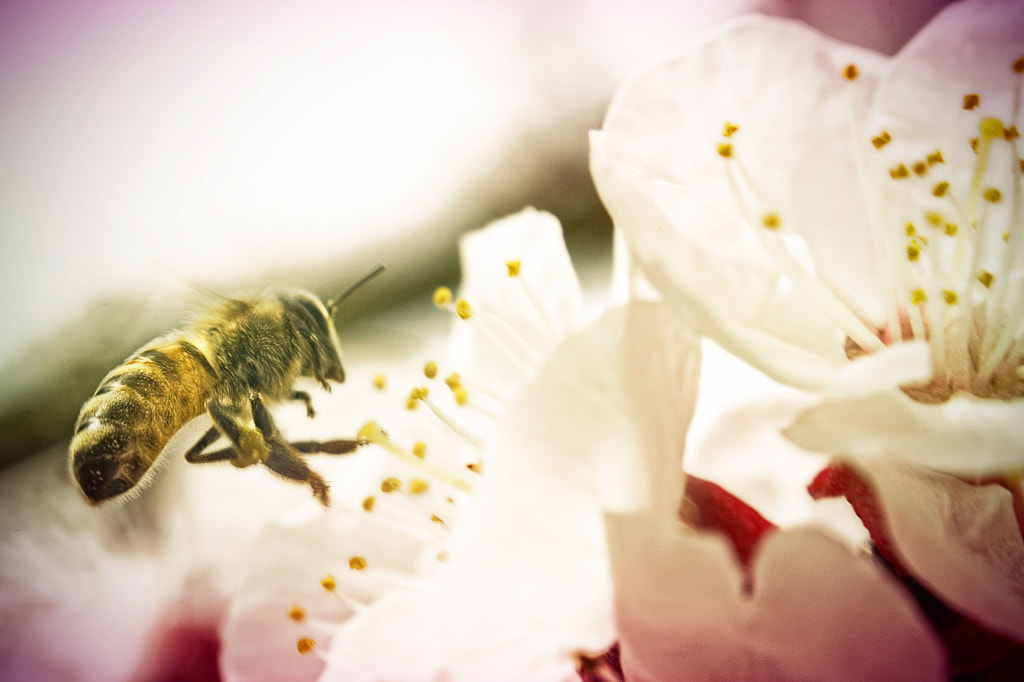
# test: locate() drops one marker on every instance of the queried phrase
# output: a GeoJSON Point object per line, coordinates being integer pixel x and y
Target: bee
{"type": "Point", "coordinates": [229, 363]}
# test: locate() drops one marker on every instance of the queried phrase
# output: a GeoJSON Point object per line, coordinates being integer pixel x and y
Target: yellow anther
{"type": "Point", "coordinates": [771, 221]}
{"type": "Point", "coordinates": [934, 217]}
{"type": "Point", "coordinates": [725, 149]}
{"type": "Point", "coordinates": [934, 158]}
{"type": "Point", "coordinates": [1018, 65]}
{"type": "Point", "coordinates": [1011, 134]}
{"type": "Point", "coordinates": [430, 369]}
{"type": "Point", "coordinates": [418, 486]}
{"type": "Point", "coordinates": [911, 230]}
{"type": "Point", "coordinates": [390, 485]}
{"type": "Point", "coordinates": [974, 143]}
{"type": "Point", "coordinates": [949, 296]}
{"type": "Point", "coordinates": [305, 645]}
{"type": "Point", "coordinates": [328, 583]}
{"type": "Point", "coordinates": [918, 296]}
{"type": "Point", "coordinates": [992, 195]}
{"type": "Point", "coordinates": [369, 502]}
{"type": "Point", "coordinates": [730, 128]}
{"type": "Point", "coordinates": [850, 73]}
{"type": "Point", "coordinates": [881, 140]}
{"type": "Point", "coordinates": [380, 382]}
{"type": "Point", "coordinates": [419, 393]}
{"type": "Point", "coordinates": [513, 267]}
{"type": "Point", "coordinates": [992, 128]}
{"type": "Point", "coordinates": [474, 467]}
{"type": "Point", "coordinates": [899, 172]}
{"type": "Point", "coordinates": [952, 229]}
{"type": "Point", "coordinates": [461, 395]}
{"type": "Point", "coordinates": [986, 278]}
{"type": "Point", "coordinates": [920, 168]}
{"type": "Point", "coordinates": [442, 296]}
{"type": "Point", "coordinates": [436, 519]}
{"type": "Point", "coordinates": [419, 448]}
{"type": "Point", "coordinates": [297, 614]}
{"type": "Point", "coordinates": [463, 309]}
{"type": "Point", "coordinates": [357, 563]}
{"type": "Point", "coordinates": [971, 101]}
{"type": "Point", "coordinates": [940, 189]}
{"type": "Point", "coordinates": [913, 252]}
{"type": "Point", "coordinates": [453, 380]}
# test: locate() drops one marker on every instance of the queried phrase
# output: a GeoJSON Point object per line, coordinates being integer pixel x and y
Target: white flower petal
{"type": "Point", "coordinates": [964, 435]}
{"type": "Point", "coordinates": [960, 540]}
{"type": "Point", "coordinates": [816, 611]}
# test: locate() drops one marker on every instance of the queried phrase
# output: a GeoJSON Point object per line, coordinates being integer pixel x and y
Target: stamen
{"type": "Point", "coordinates": [328, 583]}
{"type": "Point", "coordinates": [730, 128]}
{"type": "Point", "coordinates": [725, 150]}
{"type": "Point", "coordinates": [390, 485]}
{"type": "Point", "coordinates": [357, 563]}
{"type": "Point", "coordinates": [297, 613]}
{"type": "Point", "coordinates": [418, 486]}
{"type": "Point", "coordinates": [986, 279]}
{"type": "Point", "coordinates": [372, 433]}
{"type": "Point", "coordinates": [442, 297]}
{"type": "Point", "coordinates": [850, 73]}
{"type": "Point", "coordinates": [880, 141]}
{"type": "Point", "coordinates": [452, 424]}
{"type": "Point", "coordinates": [513, 267]}
{"type": "Point", "coordinates": [305, 645]}
{"type": "Point", "coordinates": [941, 189]}
{"type": "Point", "coordinates": [971, 101]}
{"type": "Point", "coordinates": [430, 370]}
{"type": "Point", "coordinates": [369, 502]}
{"type": "Point", "coordinates": [380, 382]}
{"type": "Point", "coordinates": [419, 448]}
{"type": "Point", "coordinates": [935, 158]}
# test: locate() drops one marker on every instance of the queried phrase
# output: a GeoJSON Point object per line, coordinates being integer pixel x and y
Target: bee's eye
{"type": "Point", "coordinates": [317, 315]}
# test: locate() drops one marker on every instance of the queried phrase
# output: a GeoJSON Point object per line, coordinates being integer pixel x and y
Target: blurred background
{"type": "Point", "coordinates": [154, 155]}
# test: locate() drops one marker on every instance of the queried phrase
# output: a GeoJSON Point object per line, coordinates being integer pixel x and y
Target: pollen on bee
{"type": "Point", "coordinates": [369, 502]}
{"type": "Point", "coordinates": [418, 486]}
{"type": "Point", "coordinates": [380, 382]}
{"type": "Point", "coordinates": [850, 73]}
{"type": "Point", "coordinates": [880, 141]}
{"type": "Point", "coordinates": [328, 583]}
{"type": "Point", "coordinates": [430, 370]}
{"type": "Point", "coordinates": [992, 195]}
{"type": "Point", "coordinates": [357, 563]}
{"type": "Point", "coordinates": [442, 296]}
{"type": "Point", "coordinates": [971, 101]}
{"type": "Point", "coordinates": [899, 172]}
{"type": "Point", "coordinates": [305, 645]}
{"type": "Point", "coordinates": [940, 189]}
{"type": "Point", "coordinates": [419, 448]}
{"type": "Point", "coordinates": [771, 220]}
{"type": "Point", "coordinates": [297, 614]}
{"type": "Point", "coordinates": [730, 128]}
{"type": "Point", "coordinates": [986, 278]}
{"type": "Point", "coordinates": [463, 309]}
{"type": "Point", "coordinates": [513, 267]}
{"type": "Point", "coordinates": [724, 150]}
{"type": "Point", "coordinates": [949, 296]}
{"type": "Point", "coordinates": [917, 296]}
{"type": "Point", "coordinates": [390, 485]}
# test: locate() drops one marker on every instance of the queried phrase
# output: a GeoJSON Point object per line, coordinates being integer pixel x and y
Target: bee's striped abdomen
{"type": "Point", "coordinates": [134, 412]}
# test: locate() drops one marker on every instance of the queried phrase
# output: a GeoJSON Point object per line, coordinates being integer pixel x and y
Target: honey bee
{"type": "Point", "coordinates": [229, 363]}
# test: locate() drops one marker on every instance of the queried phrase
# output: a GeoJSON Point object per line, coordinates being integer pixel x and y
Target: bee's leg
{"type": "Point", "coordinates": [246, 424]}
{"type": "Point", "coordinates": [342, 446]}
{"type": "Point", "coordinates": [307, 399]}
{"type": "Point", "coordinates": [287, 461]}
{"type": "Point", "coordinates": [196, 455]}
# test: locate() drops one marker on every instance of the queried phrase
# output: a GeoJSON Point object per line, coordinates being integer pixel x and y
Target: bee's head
{"type": "Point", "coordinates": [315, 324]}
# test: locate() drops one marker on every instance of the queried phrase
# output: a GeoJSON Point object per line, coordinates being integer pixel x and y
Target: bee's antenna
{"type": "Point", "coordinates": [332, 305]}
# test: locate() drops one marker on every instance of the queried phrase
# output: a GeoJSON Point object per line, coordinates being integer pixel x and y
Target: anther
{"type": "Point", "coordinates": [297, 614]}
{"type": "Point", "coordinates": [453, 380]}
{"type": "Point", "coordinates": [369, 502]}
{"type": "Point", "coordinates": [430, 370]}
{"type": "Point", "coordinates": [986, 278]}
{"type": "Point", "coordinates": [1018, 65]}
{"type": "Point", "coordinates": [910, 229]}
{"type": "Point", "coordinates": [952, 229]}
{"type": "Point", "coordinates": [461, 395]}
{"type": "Point", "coordinates": [390, 485]}
{"type": "Point", "coordinates": [913, 252]}
{"type": "Point", "coordinates": [357, 563]}
{"type": "Point", "coordinates": [949, 296]}
{"type": "Point", "coordinates": [1011, 133]}
{"type": "Point", "coordinates": [971, 101]}
{"type": "Point", "coordinates": [436, 519]}
{"type": "Point", "coordinates": [419, 448]}
{"type": "Point", "coordinates": [328, 583]}
{"type": "Point", "coordinates": [934, 217]}
{"type": "Point", "coordinates": [725, 150]}
{"type": "Point", "coordinates": [442, 296]}
{"type": "Point", "coordinates": [463, 309]}
{"type": "Point", "coordinates": [380, 382]}
{"type": "Point", "coordinates": [850, 73]}
{"type": "Point", "coordinates": [992, 195]}
{"type": "Point", "coordinates": [940, 189]}
{"type": "Point", "coordinates": [513, 267]}
{"type": "Point", "coordinates": [918, 296]}
{"type": "Point", "coordinates": [899, 172]}
{"type": "Point", "coordinates": [934, 158]}
{"type": "Point", "coordinates": [730, 128]}
{"type": "Point", "coordinates": [305, 645]}
{"type": "Point", "coordinates": [920, 168]}
{"type": "Point", "coordinates": [880, 141]}
{"type": "Point", "coordinates": [992, 128]}
{"type": "Point", "coordinates": [771, 221]}
{"type": "Point", "coordinates": [418, 486]}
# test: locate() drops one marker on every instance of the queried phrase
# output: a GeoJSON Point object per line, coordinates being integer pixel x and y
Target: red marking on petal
{"type": "Point", "coordinates": [720, 510]}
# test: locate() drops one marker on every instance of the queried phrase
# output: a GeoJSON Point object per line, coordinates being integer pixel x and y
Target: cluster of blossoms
{"type": "Point", "coordinates": [526, 506]}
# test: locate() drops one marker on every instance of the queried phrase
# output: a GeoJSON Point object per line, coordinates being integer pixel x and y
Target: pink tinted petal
{"type": "Point", "coordinates": [709, 506]}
